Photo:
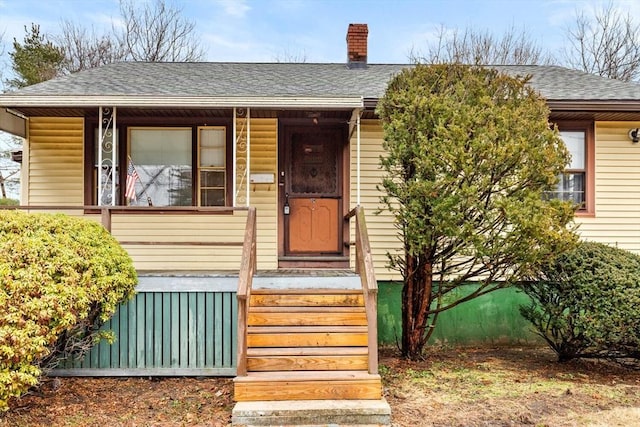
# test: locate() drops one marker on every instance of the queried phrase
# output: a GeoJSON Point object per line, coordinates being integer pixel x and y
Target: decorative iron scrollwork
{"type": "Point", "coordinates": [241, 164]}
{"type": "Point", "coordinates": [107, 157]}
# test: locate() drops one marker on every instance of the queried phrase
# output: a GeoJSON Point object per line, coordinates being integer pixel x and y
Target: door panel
{"type": "Point", "coordinates": [313, 225]}
{"type": "Point", "coordinates": [312, 196]}
{"type": "Point", "coordinates": [313, 164]}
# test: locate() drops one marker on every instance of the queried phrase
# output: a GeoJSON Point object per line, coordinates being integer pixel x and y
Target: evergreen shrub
{"type": "Point", "coordinates": [61, 279]}
{"type": "Point", "coordinates": [586, 303]}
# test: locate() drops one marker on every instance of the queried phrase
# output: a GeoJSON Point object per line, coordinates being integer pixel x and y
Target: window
{"type": "Point", "coordinates": [577, 182]}
{"type": "Point", "coordinates": [212, 166]}
{"type": "Point", "coordinates": [162, 159]}
{"type": "Point", "coordinates": [182, 165]}
{"type": "Point", "coordinates": [572, 184]}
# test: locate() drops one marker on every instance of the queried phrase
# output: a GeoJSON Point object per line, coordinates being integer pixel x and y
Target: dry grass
{"type": "Point", "coordinates": [451, 387]}
{"type": "Point", "coordinates": [508, 387]}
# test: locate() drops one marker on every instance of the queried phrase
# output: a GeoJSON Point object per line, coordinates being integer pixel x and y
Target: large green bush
{"type": "Point", "coordinates": [62, 278]}
{"type": "Point", "coordinates": [586, 303]}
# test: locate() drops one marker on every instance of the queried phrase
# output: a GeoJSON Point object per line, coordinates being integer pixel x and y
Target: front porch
{"type": "Point", "coordinates": [314, 325]}
{"type": "Point", "coordinates": [315, 341]}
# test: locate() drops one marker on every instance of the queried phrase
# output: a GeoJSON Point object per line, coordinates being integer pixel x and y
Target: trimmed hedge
{"type": "Point", "coordinates": [586, 303]}
{"type": "Point", "coordinates": [61, 279]}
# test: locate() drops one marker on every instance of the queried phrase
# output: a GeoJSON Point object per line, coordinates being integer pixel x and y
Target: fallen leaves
{"type": "Point", "coordinates": [126, 402]}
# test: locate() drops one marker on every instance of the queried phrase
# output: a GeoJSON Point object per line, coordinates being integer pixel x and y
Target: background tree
{"type": "Point", "coordinates": [2, 64]}
{"type": "Point", "coordinates": [35, 60]}
{"type": "Point", "coordinates": [468, 158]}
{"type": "Point", "coordinates": [9, 170]}
{"type": "Point", "coordinates": [84, 49]}
{"type": "Point", "coordinates": [8, 174]}
{"type": "Point", "coordinates": [157, 32]}
{"type": "Point", "coordinates": [469, 46]}
{"type": "Point", "coordinates": [291, 56]}
{"type": "Point", "coordinates": [152, 32]}
{"type": "Point", "coordinates": [606, 44]}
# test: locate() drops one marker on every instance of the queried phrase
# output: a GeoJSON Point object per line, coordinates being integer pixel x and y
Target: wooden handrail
{"type": "Point", "coordinates": [364, 267]}
{"type": "Point", "coordinates": [248, 265]}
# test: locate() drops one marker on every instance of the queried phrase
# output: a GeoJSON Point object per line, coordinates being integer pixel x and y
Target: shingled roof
{"type": "Point", "coordinates": [208, 79]}
{"type": "Point", "coordinates": [209, 86]}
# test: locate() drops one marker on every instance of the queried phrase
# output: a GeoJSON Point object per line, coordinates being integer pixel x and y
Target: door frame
{"type": "Point", "coordinates": [341, 260]}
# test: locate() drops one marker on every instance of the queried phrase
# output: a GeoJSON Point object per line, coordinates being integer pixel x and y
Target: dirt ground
{"type": "Point", "coordinates": [451, 387]}
{"type": "Point", "coordinates": [509, 387]}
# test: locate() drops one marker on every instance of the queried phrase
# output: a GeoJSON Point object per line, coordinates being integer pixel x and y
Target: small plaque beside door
{"type": "Point", "coordinates": [262, 178]}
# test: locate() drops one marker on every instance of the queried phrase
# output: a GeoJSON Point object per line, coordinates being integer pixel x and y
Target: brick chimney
{"type": "Point", "coordinates": [357, 45]}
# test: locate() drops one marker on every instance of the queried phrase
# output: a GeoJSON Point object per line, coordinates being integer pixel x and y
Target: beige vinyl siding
{"type": "Point", "coordinates": [55, 161]}
{"type": "Point", "coordinates": [617, 188]}
{"type": "Point", "coordinates": [264, 159]}
{"type": "Point", "coordinates": [181, 228]}
{"type": "Point", "coordinates": [382, 233]}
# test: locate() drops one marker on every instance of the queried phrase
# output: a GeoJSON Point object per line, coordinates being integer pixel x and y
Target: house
{"type": "Point", "coordinates": [300, 143]}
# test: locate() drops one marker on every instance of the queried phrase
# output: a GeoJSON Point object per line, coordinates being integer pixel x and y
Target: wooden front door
{"type": "Point", "coordinates": [312, 201]}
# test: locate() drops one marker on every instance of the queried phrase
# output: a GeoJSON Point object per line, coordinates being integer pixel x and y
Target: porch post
{"type": "Point", "coordinates": [358, 159]}
{"type": "Point", "coordinates": [235, 158]}
{"type": "Point", "coordinates": [241, 156]}
{"type": "Point", "coordinates": [248, 168]}
{"type": "Point", "coordinates": [107, 156]}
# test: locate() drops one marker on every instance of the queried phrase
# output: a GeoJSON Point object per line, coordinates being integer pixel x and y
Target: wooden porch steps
{"type": "Point", "coordinates": [307, 385]}
{"type": "Point", "coordinates": [307, 359]}
{"type": "Point", "coordinates": [307, 344]}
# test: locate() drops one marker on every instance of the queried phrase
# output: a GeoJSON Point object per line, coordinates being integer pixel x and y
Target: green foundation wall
{"type": "Point", "coordinates": [487, 320]}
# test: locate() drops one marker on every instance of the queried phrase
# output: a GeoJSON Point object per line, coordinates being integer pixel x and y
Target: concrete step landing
{"type": "Point", "coordinates": [312, 413]}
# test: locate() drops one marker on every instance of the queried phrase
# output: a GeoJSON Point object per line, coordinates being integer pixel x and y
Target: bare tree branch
{"type": "Point", "coordinates": [607, 44]}
{"type": "Point", "coordinates": [84, 50]}
{"type": "Point", "coordinates": [288, 55]}
{"type": "Point", "coordinates": [9, 170]}
{"type": "Point", "coordinates": [2, 64]}
{"type": "Point", "coordinates": [514, 47]}
{"type": "Point", "coordinates": [157, 32]}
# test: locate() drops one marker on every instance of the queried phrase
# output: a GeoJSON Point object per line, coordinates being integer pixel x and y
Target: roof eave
{"type": "Point", "coordinates": [614, 105]}
{"type": "Point", "coordinates": [582, 105]}
{"type": "Point", "coordinates": [329, 102]}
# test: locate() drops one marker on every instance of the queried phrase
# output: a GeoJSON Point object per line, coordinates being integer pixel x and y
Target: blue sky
{"type": "Point", "coordinates": [264, 30]}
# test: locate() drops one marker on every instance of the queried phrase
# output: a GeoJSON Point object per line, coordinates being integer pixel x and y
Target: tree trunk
{"type": "Point", "coordinates": [416, 301]}
{"type": "Point", "coordinates": [3, 190]}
